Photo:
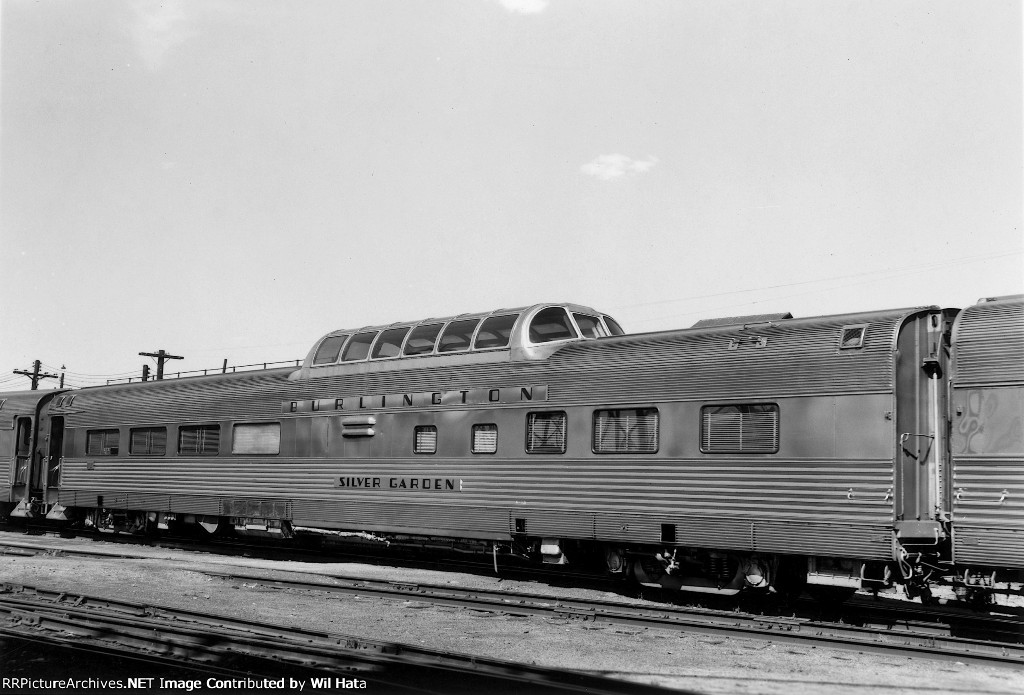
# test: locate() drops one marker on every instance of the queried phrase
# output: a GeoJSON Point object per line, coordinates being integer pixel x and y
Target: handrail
{"type": "Point", "coordinates": [206, 372]}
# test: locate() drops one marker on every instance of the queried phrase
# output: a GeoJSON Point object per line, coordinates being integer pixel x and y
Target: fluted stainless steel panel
{"type": "Point", "coordinates": [834, 466]}
{"type": "Point", "coordinates": [985, 546]}
{"type": "Point", "coordinates": [989, 344]}
{"type": "Point", "coordinates": [987, 434]}
{"type": "Point", "coordinates": [244, 396]}
{"type": "Point", "coordinates": [557, 523]}
{"type": "Point", "coordinates": [799, 357]}
{"type": "Point", "coordinates": [865, 541]}
{"type": "Point", "coordinates": [181, 503]}
{"type": "Point", "coordinates": [721, 531]}
{"type": "Point", "coordinates": [721, 504]}
{"type": "Point", "coordinates": [471, 521]}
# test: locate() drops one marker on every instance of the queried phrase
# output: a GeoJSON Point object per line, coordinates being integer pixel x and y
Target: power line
{"type": "Point", "coordinates": [161, 357]}
{"type": "Point", "coordinates": [82, 374]}
{"type": "Point", "coordinates": [885, 272]}
{"type": "Point", "coordinates": [35, 375]}
{"type": "Point", "coordinates": [913, 271]}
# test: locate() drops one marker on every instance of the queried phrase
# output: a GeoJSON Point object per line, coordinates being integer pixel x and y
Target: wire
{"type": "Point", "coordinates": [88, 376]}
{"type": "Point", "coordinates": [910, 270]}
{"type": "Point", "coordinates": [889, 272]}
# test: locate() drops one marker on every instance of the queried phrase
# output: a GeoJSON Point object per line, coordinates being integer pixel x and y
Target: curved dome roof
{"type": "Point", "coordinates": [530, 332]}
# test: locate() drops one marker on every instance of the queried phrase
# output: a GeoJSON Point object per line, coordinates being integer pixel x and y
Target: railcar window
{"type": "Point", "coordinates": [425, 440]}
{"type": "Point", "coordinates": [590, 326]}
{"type": "Point", "coordinates": [147, 441]}
{"type": "Point", "coordinates": [485, 439]}
{"type": "Point", "coordinates": [389, 344]}
{"type": "Point", "coordinates": [24, 437]}
{"type": "Point", "coordinates": [749, 428]}
{"type": "Point", "coordinates": [495, 332]}
{"type": "Point", "coordinates": [421, 340]}
{"type": "Point", "coordinates": [852, 337]}
{"type": "Point", "coordinates": [613, 326]}
{"type": "Point", "coordinates": [545, 433]}
{"type": "Point", "coordinates": [199, 440]}
{"type": "Point", "coordinates": [629, 431]}
{"type": "Point", "coordinates": [551, 324]}
{"type": "Point", "coordinates": [457, 335]}
{"type": "Point", "coordinates": [256, 438]}
{"type": "Point", "coordinates": [23, 449]}
{"type": "Point", "coordinates": [359, 347]}
{"type": "Point", "coordinates": [102, 442]}
{"type": "Point", "coordinates": [328, 351]}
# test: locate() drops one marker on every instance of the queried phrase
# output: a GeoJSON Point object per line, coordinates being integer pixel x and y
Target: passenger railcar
{"type": "Point", "coordinates": [986, 421]}
{"type": "Point", "coordinates": [842, 451]}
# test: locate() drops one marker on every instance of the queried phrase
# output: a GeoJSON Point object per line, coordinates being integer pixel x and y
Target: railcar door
{"type": "Point", "coordinates": [25, 443]}
{"type": "Point", "coordinates": [55, 452]}
{"type": "Point", "coordinates": [22, 450]}
{"type": "Point", "coordinates": [922, 463]}
{"type": "Point", "coordinates": [37, 471]}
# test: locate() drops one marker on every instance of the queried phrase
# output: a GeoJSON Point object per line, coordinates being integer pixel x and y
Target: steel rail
{"type": "Point", "coordinates": [719, 623]}
{"type": "Point", "coordinates": [275, 551]}
{"type": "Point", "coordinates": [44, 646]}
{"type": "Point", "coordinates": [908, 628]}
{"type": "Point", "coordinates": [1006, 622]}
{"type": "Point", "coordinates": [1000, 623]}
{"type": "Point", "coordinates": [192, 637]}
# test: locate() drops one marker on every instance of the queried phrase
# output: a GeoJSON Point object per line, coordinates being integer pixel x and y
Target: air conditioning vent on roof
{"type": "Point", "coordinates": [737, 320]}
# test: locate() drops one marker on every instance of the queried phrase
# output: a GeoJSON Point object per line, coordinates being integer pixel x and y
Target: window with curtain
{"type": "Point", "coordinates": [485, 439]}
{"type": "Point", "coordinates": [545, 433]}
{"type": "Point", "coordinates": [102, 442]}
{"type": "Point", "coordinates": [199, 440]}
{"type": "Point", "coordinates": [626, 430]}
{"type": "Point", "coordinates": [740, 428]}
{"type": "Point", "coordinates": [425, 439]}
{"type": "Point", "coordinates": [147, 441]}
{"type": "Point", "coordinates": [256, 438]}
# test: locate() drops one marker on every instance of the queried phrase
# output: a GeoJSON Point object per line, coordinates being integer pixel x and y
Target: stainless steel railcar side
{"type": "Point", "coordinates": [737, 452]}
{"type": "Point", "coordinates": [987, 440]}
{"type": "Point", "coordinates": [855, 475]}
{"type": "Point", "coordinates": [30, 449]}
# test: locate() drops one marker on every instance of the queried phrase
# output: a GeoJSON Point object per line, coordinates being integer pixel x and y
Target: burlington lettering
{"type": "Point", "coordinates": [424, 399]}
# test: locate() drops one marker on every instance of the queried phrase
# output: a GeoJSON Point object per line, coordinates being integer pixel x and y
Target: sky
{"type": "Point", "coordinates": [228, 179]}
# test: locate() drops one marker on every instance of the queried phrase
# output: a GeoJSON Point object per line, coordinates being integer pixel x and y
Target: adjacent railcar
{"type": "Point", "coordinates": [23, 414]}
{"type": "Point", "coordinates": [765, 451]}
{"type": "Point", "coordinates": [987, 439]}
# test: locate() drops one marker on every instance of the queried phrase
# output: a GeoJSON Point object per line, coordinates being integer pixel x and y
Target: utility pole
{"type": "Point", "coordinates": [161, 357]}
{"type": "Point", "coordinates": [34, 375]}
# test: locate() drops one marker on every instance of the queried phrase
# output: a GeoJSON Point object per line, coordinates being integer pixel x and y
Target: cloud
{"type": "Point", "coordinates": [525, 6]}
{"type": "Point", "coordinates": [157, 28]}
{"type": "Point", "coordinates": [615, 166]}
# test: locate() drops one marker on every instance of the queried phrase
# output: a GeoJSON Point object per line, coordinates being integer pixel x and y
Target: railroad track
{"type": "Point", "coordinates": [269, 550]}
{"type": "Point", "coordinates": [909, 629]}
{"type": "Point", "coordinates": [1001, 624]}
{"type": "Point", "coordinates": [255, 654]}
{"type": "Point", "coordinates": [904, 639]}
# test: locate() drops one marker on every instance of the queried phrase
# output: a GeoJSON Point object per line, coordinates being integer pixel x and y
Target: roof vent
{"type": "Point", "coordinates": [735, 320]}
